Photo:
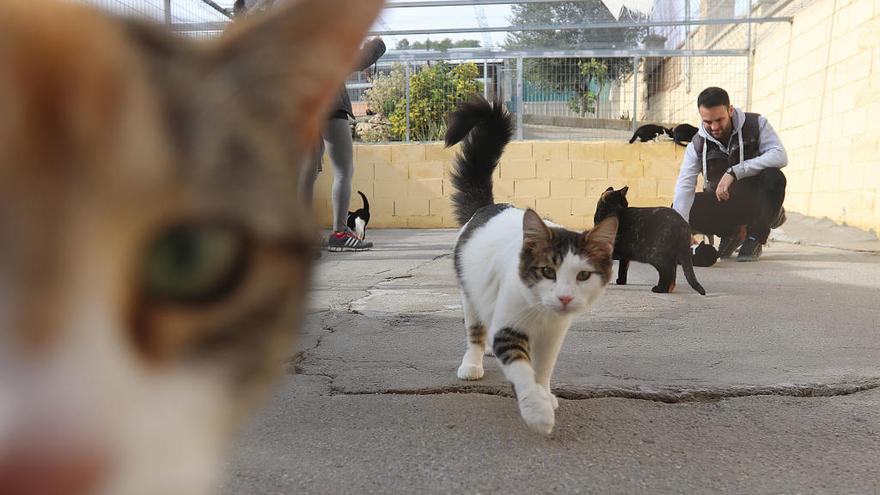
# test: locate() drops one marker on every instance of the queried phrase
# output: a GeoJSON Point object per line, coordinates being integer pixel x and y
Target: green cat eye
{"type": "Point", "coordinates": [194, 263]}
{"type": "Point", "coordinates": [582, 276]}
{"type": "Point", "coordinates": [548, 272]}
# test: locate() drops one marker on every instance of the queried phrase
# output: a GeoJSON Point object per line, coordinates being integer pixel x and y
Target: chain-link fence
{"type": "Point", "coordinates": [200, 19]}
{"type": "Point", "coordinates": [410, 102]}
{"type": "Point", "coordinates": [584, 98]}
{"type": "Point", "coordinates": [653, 75]}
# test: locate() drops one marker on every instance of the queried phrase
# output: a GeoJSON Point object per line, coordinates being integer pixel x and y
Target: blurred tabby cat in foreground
{"type": "Point", "coordinates": [154, 251]}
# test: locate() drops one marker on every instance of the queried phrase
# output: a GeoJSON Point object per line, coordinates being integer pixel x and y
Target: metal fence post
{"type": "Point", "coordinates": [406, 85]}
{"type": "Point", "coordinates": [519, 98]}
{"type": "Point", "coordinates": [749, 62]}
{"type": "Point", "coordinates": [635, 92]}
{"type": "Point", "coordinates": [168, 12]}
{"type": "Point", "coordinates": [486, 79]}
{"type": "Point", "coordinates": [688, 46]}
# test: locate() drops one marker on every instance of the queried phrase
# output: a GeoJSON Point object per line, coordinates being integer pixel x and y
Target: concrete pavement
{"type": "Point", "coordinates": [769, 384]}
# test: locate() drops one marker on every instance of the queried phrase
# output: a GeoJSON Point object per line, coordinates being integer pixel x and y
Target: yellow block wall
{"type": "Point", "coordinates": [408, 184]}
{"type": "Point", "coordinates": [818, 82]}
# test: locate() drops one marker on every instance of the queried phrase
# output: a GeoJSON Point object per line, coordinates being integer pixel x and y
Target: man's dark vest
{"type": "Point", "coordinates": [717, 161]}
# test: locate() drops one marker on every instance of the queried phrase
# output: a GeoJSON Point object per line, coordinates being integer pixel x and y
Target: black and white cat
{"type": "Point", "coordinates": [522, 279]}
{"type": "Point", "coordinates": [359, 219]}
{"type": "Point", "coordinates": [650, 132]}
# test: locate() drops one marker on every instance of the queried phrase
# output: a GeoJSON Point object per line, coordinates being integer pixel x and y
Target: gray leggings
{"type": "Point", "coordinates": [337, 139]}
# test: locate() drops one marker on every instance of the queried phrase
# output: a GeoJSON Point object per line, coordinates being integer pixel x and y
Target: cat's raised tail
{"type": "Point", "coordinates": [365, 201]}
{"type": "Point", "coordinates": [485, 128]}
{"type": "Point", "coordinates": [687, 266]}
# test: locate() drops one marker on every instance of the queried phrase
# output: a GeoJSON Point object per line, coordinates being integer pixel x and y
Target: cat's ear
{"type": "Point", "coordinates": [292, 61]}
{"type": "Point", "coordinates": [534, 229]}
{"type": "Point", "coordinates": [624, 191]}
{"type": "Point", "coordinates": [601, 238]}
{"type": "Point", "coordinates": [610, 189]}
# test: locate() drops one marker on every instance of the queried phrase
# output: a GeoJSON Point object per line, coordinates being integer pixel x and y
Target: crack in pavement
{"type": "Point", "coordinates": [667, 396]}
{"type": "Point", "coordinates": [402, 364]}
{"type": "Point", "coordinates": [294, 365]}
{"type": "Point", "coordinates": [331, 322]}
{"type": "Point", "coordinates": [349, 306]}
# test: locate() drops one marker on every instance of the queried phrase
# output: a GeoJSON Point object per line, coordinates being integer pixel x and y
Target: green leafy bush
{"type": "Point", "coordinates": [434, 92]}
{"type": "Point", "coordinates": [387, 92]}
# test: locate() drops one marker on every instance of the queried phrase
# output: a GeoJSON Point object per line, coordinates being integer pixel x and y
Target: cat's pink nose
{"type": "Point", "coordinates": [565, 300]}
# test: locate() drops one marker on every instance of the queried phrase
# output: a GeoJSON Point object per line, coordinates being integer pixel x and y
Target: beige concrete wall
{"type": "Point", "coordinates": [818, 81]}
{"type": "Point", "coordinates": [408, 184]}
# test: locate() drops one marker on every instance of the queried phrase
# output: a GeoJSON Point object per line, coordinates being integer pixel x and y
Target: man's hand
{"type": "Point", "coordinates": [722, 192]}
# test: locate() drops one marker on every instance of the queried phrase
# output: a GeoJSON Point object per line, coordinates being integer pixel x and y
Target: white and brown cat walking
{"type": "Point", "coordinates": [523, 280]}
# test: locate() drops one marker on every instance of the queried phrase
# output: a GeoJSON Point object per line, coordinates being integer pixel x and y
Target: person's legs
{"type": "Point", "coordinates": [337, 138]}
{"type": "Point", "coordinates": [755, 202]}
{"type": "Point", "coordinates": [307, 179]}
{"type": "Point", "coordinates": [712, 217]}
{"type": "Point", "coordinates": [770, 190]}
{"type": "Point", "coordinates": [339, 146]}
{"type": "Point", "coordinates": [770, 193]}
{"type": "Point", "coordinates": [310, 174]}
{"type": "Point", "coordinates": [726, 219]}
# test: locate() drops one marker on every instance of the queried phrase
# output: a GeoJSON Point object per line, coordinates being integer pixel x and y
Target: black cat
{"type": "Point", "coordinates": [358, 220]}
{"type": "Point", "coordinates": [649, 132]}
{"type": "Point", "coordinates": [657, 236]}
{"type": "Point", "coordinates": [705, 255]}
{"type": "Point", "coordinates": [683, 133]}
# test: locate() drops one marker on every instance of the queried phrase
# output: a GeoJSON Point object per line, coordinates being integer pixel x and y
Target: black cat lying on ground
{"type": "Point", "coordinates": [705, 255]}
{"type": "Point", "coordinates": [649, 132]}
{"type": "Point", "coordinates": [657, 236]}
{"type": "Point", "coordinates": [683, 133]}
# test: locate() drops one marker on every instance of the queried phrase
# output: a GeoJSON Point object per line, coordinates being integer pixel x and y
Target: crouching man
{"type": "Point", "coordinates": [740, 157]}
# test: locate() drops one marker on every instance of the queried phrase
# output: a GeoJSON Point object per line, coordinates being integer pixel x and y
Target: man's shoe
{"type": "Point", "coordinates": [347, 241]}
{"type": "Point", "coordinates": [751, 249]}
{"type": "Point", "coordinates": [780, 219]}
{"type": "Point", "coordinates": [728, 245]}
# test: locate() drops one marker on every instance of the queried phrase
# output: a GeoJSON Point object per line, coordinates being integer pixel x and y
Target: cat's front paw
{"type": "Point", "coordinates": [621, 281]}
{"type": "Point", "coordinates": [536, 408]}
{"type": "Point", "coordinates": [470, 372]}
{"type": "Point", "coordinates": [554, 401]}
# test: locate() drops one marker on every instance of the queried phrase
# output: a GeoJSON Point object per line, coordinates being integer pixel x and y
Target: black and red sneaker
{"type": "Point", "coordinates": [347, 241]}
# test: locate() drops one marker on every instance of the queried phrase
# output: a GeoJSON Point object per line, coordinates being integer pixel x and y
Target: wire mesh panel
{"type": "Point", "coordinates": [410, 101]}
{"type": "Point", "coordinates": [153, 9]}
{"type": "Point", "coordinates": [576, 98]}
{"type": "Point", "coordinates": [669, 88]}
{"type": "Point", "coordinates": [193, 18]}
{"type": "Point", "coordinates": [566, 70]}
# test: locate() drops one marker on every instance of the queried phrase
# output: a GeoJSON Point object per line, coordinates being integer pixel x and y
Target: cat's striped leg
{"type": "Point", "coordinates": [545, 350]}
{"type": "Point", "coordinates": [511, 347]}
{"type": "Point", "coordinates": [472, 363]}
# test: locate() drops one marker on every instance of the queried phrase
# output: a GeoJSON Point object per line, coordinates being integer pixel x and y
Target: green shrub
{"type": "Point", "coordinates": [434, 92]}
{"type": "Point", "coordinates": [387, 92]}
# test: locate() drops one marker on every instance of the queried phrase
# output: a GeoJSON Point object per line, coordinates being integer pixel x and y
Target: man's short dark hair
{"type": "Point", "coordinates": [713, 97]}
